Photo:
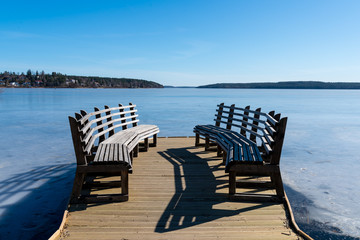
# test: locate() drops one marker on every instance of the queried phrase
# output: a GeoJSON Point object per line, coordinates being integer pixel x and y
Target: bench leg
{"type": "Point", "coordinates": [146, 141]}
{"type": "Point", "coordinates": [154, 143]}
{"type": "Point", "coordinates": [124, 182]}
{"type": "Point", "coordinates": [78, 183]}
{"type": "Point", "coordinates": [276, 179]}
{"type": "Point", "coordinates": [207, 143]}
{"type": "Point", "coordinates": [219, 150]}
{"type": "Point", "coordinates": [197, 140]}
{"type": "Point", "coordinates": [232, 182]}
{"type": "Point", "coordinates": [136, 150]}
{"type": "Point", "coordinates": [155, 140]}
{"type": "Point", "coordinates": [131, 156]}
{"type": "Point", "coordinates": [224, 157]}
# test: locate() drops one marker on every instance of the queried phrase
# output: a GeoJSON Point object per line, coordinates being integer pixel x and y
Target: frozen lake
{"type": "Point", "coordinates": [320, 163]}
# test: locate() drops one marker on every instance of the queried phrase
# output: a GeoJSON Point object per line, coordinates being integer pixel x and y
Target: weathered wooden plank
{"type": "Point", "coordinates": [101, 153]}
{"type": "Point", "coordinates": [116, 152]}
{"type": "Point", "coordinates": [111, 153]}
{"type": "Point", "coordinates": [107, 153]}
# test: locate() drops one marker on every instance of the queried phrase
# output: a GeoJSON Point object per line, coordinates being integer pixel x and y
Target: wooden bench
{"type": "Point", "coordinates": [250, 142]}
{"type": "Point", "coordinates": [105, 142]}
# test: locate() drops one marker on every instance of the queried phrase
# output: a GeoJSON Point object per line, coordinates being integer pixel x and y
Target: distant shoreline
{"type": "Point", "coordinates": [315, 85]}
{"type": "Point", "coordinates": [58, 80]}
{"type": "Point", "coordinates": [289, 85]}
{"type": "Point", "coordinates": [2, 87]}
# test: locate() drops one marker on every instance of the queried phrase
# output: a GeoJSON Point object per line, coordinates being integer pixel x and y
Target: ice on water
{"type": "Point", "coordinates": [320, 156]}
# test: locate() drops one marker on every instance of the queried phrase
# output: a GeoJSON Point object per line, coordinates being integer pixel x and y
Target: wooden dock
{"type": "Point", "coordinates": [177, 191]}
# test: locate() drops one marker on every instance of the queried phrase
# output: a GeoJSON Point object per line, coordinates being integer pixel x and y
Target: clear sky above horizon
{"type": "Point", "coordinates": [185, 43]}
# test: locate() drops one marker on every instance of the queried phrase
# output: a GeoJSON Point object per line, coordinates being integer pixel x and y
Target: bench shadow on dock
{"type": "Point", "coordinates": [196, 196]}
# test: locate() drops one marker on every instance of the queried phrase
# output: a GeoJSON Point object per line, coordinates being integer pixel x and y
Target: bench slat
{"type": "Point", "coordinates": [85, 118]}
{"type": "Point", "coordinates": [246, 123]}
{"type": "Point", "coordinates": [99, 119]}
{"type": "Point", "coordinates": [97, 155]}
{"type": "Point", "coordinates": [247, 146]}
{"type": "Point", "coordinates": [125, 154]}
{"type": "Point", "coordinates": [265, 138]}
{"type": "Point", "coordinates": [101, 154]}
{"type": "Point", "coordinates": [270, 118]}
{"type": "Point", "coordinates": [116, 152]}
{"type": "Point", "coordinates": [267, 148]}
{"type": "Point", "coordinates": [107, 153]}
{"type": "Point", "coordinates": [270, 128]}
{"type": "Point", "coordinates": [112, 152]}
{"type": "Point", "coordinates": [93, 138]}
{"type": "Point", "coordinates": [241, 120]}
{"type": "Point", "coordinates": [238, 148]}
{"type": "Point", "coordinates": [246, 129]}
{"type": "Point", "coordinates": [105, 124]}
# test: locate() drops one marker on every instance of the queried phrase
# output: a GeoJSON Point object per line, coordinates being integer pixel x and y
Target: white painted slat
{"type": "Point", "coordinates": [87, 116]}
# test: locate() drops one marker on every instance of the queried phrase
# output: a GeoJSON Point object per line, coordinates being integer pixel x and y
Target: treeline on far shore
{"type": "Point", "coordinates": [289, 85]}
{"type": "Point", "coordinates": [58, 80]}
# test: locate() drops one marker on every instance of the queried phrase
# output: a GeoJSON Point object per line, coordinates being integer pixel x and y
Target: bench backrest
{"type": "Point", "coordinates": [88, 130]}
{"type": "Point", "coordinates": [266, 130]}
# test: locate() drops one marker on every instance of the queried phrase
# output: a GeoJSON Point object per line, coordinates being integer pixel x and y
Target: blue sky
{"type": "Point", "coordinates": [187, 42]}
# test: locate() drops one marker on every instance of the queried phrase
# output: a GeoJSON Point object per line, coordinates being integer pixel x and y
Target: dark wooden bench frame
{"type": "Point", "coordinates": [105, 142]}
{"type": "Point", "coordinates": [251, 143]}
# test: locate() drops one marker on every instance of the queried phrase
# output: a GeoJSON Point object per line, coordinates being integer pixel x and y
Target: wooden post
{"type": "Point", "coordinates": [219, 114]}
{"type": "Point", "coordinates": [136, 150]}
{"type": "Point", "coordinates": [279, 140]}
{"type": "Point", "coordinates": [230, 117]}
{"type": "Point", "coordinates": [78, 183]}
{"type": "Point", "coordinates": [125, 182]}
{"type": "Point", "coordinates": [131, 156]}
{"type": "Point", "coordinates": [271, 113]}
{"type": "Point", "coordinates": [255, 122]}
{"type": "Point", "coordinates": [232, 182]}
{"type": "Point", "coordinates": [197, 140]}
{"type": "Point", "coordinates": [224, 156]}
{"type": "Point", "coordinates": [83, 113]}
{"type": "Point", "coordinates": [80, 116]}
{"type": "Point", "coordinates": [102, 137]}
{"type": "Point", "coordinates": [276, 179]}
{"type": "Point", "coordinates": [122, 116]}
{"type": "Point", "coordinates": [245, 119]}
{"type": "Point", "coordinates": [133, 114]}
{"type": "Point", "coordinates": [219, 150]}
{"type": "Point", "coordinates": [146, 143]}
{"type": "Point", "coordinates": [109, 119]}
{"type": "Point", "coordinates": [78, 147]}
{"type": "Point", "coordinates": [207, 143]}
{"type": "Point", "coordinates": [154, 140]}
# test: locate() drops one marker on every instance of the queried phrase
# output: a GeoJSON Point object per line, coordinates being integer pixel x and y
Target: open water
{"type": "Point", "coordinates": [320, 162]}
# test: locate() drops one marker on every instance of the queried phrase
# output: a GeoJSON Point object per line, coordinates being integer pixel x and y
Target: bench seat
{"type": "Point", "coordinates": [118, 147]}
{"type": "Point", "coordinates": [239, 150]}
